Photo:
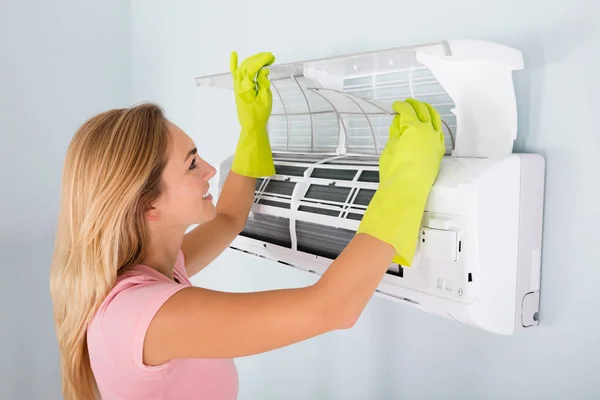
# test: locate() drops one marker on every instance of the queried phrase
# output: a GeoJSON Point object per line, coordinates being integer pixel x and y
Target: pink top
{"type": "Point", "coordinates": [115, 340]}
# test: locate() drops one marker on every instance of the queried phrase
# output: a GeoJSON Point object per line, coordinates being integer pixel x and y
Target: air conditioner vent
{"type": "Point", "coordinates": [356, 217]}
{"type": "Point", "coordinates": [369, 176]}
{"type": "Point", "coordinates": [328, 193]}
{"type": "Point", "coordinates": [280, 187]}
{"type": "Point", "coordinates": [336, 174]}
{"type": "Point", "coordinates": [269, 229]}
{"type": "Point", "coordinates": [355, 160]}
{"type": "Point", "coordinates": [364, 197]}
{"type": "Point", "coordinates": [274, 203]}
{"type": "Point", "coordinates": [289, 170]}
{"type": "Point", "coordinates": [322, 240]}
{"type": "Point", "coordinates": [308, 117]}
{"type": "Point", "coordinates": [274, 193]}
{"type": "Point", "coordinates": [321, 211]}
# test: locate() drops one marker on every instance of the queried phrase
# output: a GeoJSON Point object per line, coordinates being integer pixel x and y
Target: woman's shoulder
{"type": "Point", "coordinates": [141, 276]}
{"type": "Point", "coordinates": [118, 328]}
{"type": "Point", "coordinates": [141, 286]}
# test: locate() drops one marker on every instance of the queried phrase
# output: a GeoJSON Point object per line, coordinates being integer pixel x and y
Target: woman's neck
{"type": "Point", "coordinates": [162, 251]}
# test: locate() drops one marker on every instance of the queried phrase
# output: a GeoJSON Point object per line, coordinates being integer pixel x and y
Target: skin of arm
{"type": "Point", "coordinates": [202, 323]}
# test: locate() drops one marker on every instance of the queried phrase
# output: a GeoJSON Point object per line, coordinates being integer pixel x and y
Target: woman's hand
{"type": "Point", "coordinates": [254, 101]}
{"type": "Point", "coordinates": [408, 167]}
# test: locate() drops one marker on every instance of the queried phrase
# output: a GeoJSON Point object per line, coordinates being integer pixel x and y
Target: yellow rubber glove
{"type": "Point", "coordinates": [254, 102]}
{"type": "Point", "coordinates": [408, 166]}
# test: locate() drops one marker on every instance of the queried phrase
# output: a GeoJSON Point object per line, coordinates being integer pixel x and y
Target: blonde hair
{"type": "Point", "coordinates": [112, 174]}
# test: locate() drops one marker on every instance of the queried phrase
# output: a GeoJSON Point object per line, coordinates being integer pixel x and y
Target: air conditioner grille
{"type": "Point", "coordinates": [274, 203]}
{"type": "Point", "coordinates": [322, 240]}
{"type": "Point", "coordinates": [308, 117]}
{"type": "Point", "coordinates": [275, 193]}
{"type": "Point", "coordinates": [369, 176]}
{"type": "Point", "coordinates": [347, 196]}
{"type": "Point", "coordinates": [337, 174]}
{"type": "Point", "coordinates": [322, 211]}
{"type": "Point", "coordinates": [289, 170]}
{"type": "Point", "coordinates": [364, 197]}
{"type": "Point", "coordinates": [269, 229]}
{"type": "Point", "coordinates": [280, 187]}
{"type": "Point", "coordinates": [328, 193]}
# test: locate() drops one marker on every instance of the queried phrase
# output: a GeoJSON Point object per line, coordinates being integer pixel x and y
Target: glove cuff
{"type": "Point", "coordinates": [253, 157]}
{"type": "Point", "coordinates": [396, 220]}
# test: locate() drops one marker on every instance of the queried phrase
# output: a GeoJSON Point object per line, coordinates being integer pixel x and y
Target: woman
{"type": "Point", "coordinates": [129, 322]}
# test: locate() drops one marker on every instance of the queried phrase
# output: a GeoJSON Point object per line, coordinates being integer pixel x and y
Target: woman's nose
{"type": "Point", "coordinates": [209, 171]}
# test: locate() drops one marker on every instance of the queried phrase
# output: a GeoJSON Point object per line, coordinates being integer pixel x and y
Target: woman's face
{"type": "Point", "coordinates": [185, 199]}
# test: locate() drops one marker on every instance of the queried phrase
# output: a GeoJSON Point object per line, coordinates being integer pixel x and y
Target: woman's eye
{"type": "Point", "coordinates": [193, 164]}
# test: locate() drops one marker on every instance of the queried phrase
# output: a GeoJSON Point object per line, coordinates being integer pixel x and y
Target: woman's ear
{"type": "Point", "coordinates": [152, 213]}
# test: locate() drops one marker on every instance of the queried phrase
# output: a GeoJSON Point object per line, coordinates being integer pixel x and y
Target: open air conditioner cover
{"type": "Point", "coordinates": [478, 260]}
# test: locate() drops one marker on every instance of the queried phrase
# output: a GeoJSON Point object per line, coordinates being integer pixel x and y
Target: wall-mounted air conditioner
{"type": "Point", "coordinates": [479, 255]}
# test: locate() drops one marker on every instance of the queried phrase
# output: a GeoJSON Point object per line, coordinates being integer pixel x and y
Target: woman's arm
{"type": "Point", "coordinates": [252, 159]}
{"type": "Point", "coordinates": [205, 242]}
{"type": "Point", "coordinates": [197, 322]}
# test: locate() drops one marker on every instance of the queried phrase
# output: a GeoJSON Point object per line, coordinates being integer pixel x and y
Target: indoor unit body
{"type": "Point", "coordinates": [479, 251]}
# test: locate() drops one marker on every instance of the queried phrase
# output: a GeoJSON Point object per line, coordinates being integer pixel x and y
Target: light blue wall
{"type": "Point", "coordinates": [64, 60]}
{"type": "Point", "coordinates": [396, 352]}
{"type": "Point", "coordinates": [60, 62]}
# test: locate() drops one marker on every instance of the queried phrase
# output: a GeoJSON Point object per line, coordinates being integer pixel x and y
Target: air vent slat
{"type": "Point", "coordinates": [280, 187]}
{"type": "Point", "coordinates": [289, 170]}
{"type": "Point", "coordinates": [322, 211]}
{"type": "Point", "coordinates": [369, 176]}
{"type": "Point", "coordinates": [259, 182]}
{"type": "Point", "coordinates": [269, 229]}
{"type": "Point", "coordinates": [364, 197]}
{"type": "Point", "coordinates": [322, 240]}
{"type": "Point", "coordinates": [357, 217]}
{"type": "Point", "coordinates": [331, 193]}
{"type": "Point", "coordinates": [274, 203]}
{"type": "Point", "coordinates": [337, 174]}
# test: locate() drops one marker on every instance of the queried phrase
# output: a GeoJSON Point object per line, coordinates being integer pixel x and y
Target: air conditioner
{"type": "Point", "coordinates": [479, 255]}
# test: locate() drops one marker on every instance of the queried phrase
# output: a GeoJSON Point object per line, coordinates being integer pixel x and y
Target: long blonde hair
{"type": "Point", "coordinates": [112, 174]}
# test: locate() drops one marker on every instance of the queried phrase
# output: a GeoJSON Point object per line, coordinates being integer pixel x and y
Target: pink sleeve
{"type": "Point", "coordinates": [123, 322]}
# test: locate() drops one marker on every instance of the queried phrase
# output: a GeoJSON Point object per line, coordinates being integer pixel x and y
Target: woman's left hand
{"type": "Point", "coordinates": [254, 102]}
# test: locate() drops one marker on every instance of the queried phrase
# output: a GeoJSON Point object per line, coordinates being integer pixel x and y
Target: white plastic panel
{"type": "Point", "coordinates": [343, 105]}
{"type": "Point", "coordinates": [439, 244]}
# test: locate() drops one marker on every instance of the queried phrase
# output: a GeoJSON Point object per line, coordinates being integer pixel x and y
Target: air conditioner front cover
{"type": "Point", "coordinates": [478, 260]}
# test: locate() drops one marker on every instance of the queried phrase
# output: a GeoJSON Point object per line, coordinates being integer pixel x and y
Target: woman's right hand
{"type": "Point", "coordinates": [254, 102]}
{"type": "Point", "coordinates": [408, 167]}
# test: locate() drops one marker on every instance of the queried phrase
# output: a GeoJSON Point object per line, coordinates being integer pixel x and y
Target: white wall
{"type": "Point", "coordinates": [395, 352]}
{"type": "Point", "coordinates": [60, 62]}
